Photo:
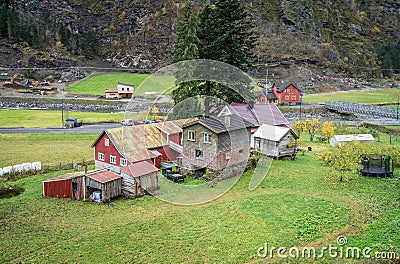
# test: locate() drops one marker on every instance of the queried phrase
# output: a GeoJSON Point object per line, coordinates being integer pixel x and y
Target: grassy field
{"type": "Point", "coordinates": [297, 204]}
{"type": "Point", "coordinates": [50, 149]}
{"type": "Point", "coordinates": [97, 84]}
{"type": "Point", "coordinates": [48, 118]}
{"type": "Point", "coordinates": [362, 97]}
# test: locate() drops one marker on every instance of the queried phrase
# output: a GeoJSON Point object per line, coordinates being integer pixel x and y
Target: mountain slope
{"type": "Point", "coordinates": [339, 36]}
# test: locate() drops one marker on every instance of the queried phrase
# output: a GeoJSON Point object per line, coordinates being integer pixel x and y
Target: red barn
{"type": "Point", "coordinates": [287, 93]}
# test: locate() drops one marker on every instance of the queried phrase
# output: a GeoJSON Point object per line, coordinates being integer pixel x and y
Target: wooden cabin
{"type": "Point", "coordinates": [275, 141]}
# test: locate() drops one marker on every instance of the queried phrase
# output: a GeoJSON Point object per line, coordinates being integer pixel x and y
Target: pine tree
{"type": "Point", "coordinates": [186, 48]}
{"type": "Point", "coordinates": [226, 35]}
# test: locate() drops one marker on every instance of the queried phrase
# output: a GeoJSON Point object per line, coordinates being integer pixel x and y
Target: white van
{"type": "Point", "coordinates": [127, 122]}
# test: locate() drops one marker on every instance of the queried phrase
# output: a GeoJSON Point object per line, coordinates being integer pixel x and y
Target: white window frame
{"type": "Point", "coordinates": [123, 162]}
{"type": "Point", "coordinates": [106, 142]}
{"type": "Point", "coordinates": [207, 138]}
{"type": "Point", "coordinates": [100, 156]}
{"type": "Point", "coordinates": [113, 159]}
{"type": "Point", "coordinates": [200, 152]}
{"type": "Point", "coordinates": [193, 137]}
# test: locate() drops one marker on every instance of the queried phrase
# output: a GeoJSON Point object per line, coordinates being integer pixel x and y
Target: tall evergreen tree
{"type": "Point", "coordinates": [186, 48]}
{"type": "Point", "coordinates": [227, 35]}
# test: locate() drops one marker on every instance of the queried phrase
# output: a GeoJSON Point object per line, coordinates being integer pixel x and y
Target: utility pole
{"type": "Point", "coordinates": [62, 112]}
{"type": "Point", "coordinates": [398, 101]}
{"type": "Point", "coordinates": [300, 104]}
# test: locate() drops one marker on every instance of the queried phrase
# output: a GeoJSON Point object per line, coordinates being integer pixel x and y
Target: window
{"type": "Point", "coordinates": [106, 142]}
{"type": "Point", "coordinates": [191, 135]}
{"type": "Point", "coordinates": [123, 162]}
{"type": "Point", "coordinates": [113, 160]}
{"type": "Point", "coordinates": [123, 89]}
{"type": "Point", "coordinates": [228, 155]}
{"type": "Point", "coordinates": [286, 97]}
{"type": "Point", "coordinates": [241, 151]}
{"type": "Point", "coordinates": [199, 153]}
{"type": "Point", "coordinates": [100, 156]}
{"type": "Point", "coordinates": [207, 138]}
{"type": "Point", "coordinates": [127, 89]}
{"type": "Point", "coordinates": [293, 97]}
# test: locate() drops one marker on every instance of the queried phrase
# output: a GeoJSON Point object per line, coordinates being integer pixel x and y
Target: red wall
{"type": "Point", "coordinates": [111, 150]}
{"type": "Point", "coordinates": [281, 96]}
{"type": "Point", "coordinates": [59, 188]}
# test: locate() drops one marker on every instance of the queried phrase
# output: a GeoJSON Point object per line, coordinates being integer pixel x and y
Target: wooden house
{"type": "Point", "coordinates": [340, 140]}
{"type": "Point", "coordinates": [274, 141]}
{"type": "Point", "coordinates": [287, 93]}
{"type": "Point", "coordinates": [257, 115]}
{"type": "Point", "coordinates": [123, 91]}
{"type": "Point", "coordinates": [215, 143]}
{"type": "Point", "coordinates": [81, 186]}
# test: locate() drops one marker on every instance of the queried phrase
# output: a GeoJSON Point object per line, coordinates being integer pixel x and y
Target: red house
{"type": "Point", "coordinates": [120, 147]}
{"type": "Point", "coordinates": [287, 93]}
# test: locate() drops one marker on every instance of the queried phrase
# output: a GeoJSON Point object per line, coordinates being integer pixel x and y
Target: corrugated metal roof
{"type": "Point", "coordinates": [259, 114]}
{"type": "Point", "coordinates": [168, 127]}
{"type": "Point", "coordinates": [133, 138]}
{"type": "Point", "coordinates": [141, 168]}
{"type": "Point", "coordinates": [140, 155]}
{"type": "Point", "coordinates": [67, 176]}
{"type": "Point", "coordinates": [104, 176]}
{"type": "Point", "coordinates": [274, 133]}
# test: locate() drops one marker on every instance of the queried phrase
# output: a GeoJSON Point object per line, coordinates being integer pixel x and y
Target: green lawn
{"type": "Point", "coordinates": [362, 97]}
{"type": "Point", "coordinates": [50, 149]}
{"type": "Point", "coordinates": [49, 118]}
{"type": "Point", "coordinates": [297, 204]}
{"type": "Point", "coordinates": [97, 84]}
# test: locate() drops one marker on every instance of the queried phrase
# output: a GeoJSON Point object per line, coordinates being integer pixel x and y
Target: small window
{"type": "Point", "coordinates": [191, 135]}
{"type": "Point", "coordinates": [113, 160]}
{"type": "Point", "coordinates": [123, 162]}
{"type": "Point", "coordinates": [241, 151]}
{"type": "Point", "coordinates": [123, 89]}
{"type": "Point", "coordinates": [106, 142]}
{"type": "Point", "coordinates": [199, 153]}
{"type": "Point", "coordinates": [293, 97]}
{"type": "Point", "coordinates": [228, 155]}
{"type": "Point", "coordinates": [207, 138]}
{"type": "Point", "coordinates": [127, 89]}
{"type": "Point", "coordinates": [286, 97]}
{"type": "Point", "coordinates": [101, 156]}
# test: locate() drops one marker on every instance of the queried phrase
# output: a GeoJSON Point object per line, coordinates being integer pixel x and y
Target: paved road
{"type": "Point", "coordinates": [85, 129]}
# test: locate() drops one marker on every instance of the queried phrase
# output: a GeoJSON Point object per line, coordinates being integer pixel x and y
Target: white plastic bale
{"type": "Point", "coordinates": [1, 172]}
{"type": "Point", "coordinates": [36, 165]}
{"type": "Point", "coordinates": [7, 169]}
{"type": "Point", "coordinates": [17, 168]}
{"type": "Point", "coordinates": [26, 166]}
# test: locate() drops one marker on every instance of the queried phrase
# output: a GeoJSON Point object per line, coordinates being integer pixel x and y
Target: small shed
{"type": "Point", "coordinates": [105, 182]}
{"type": "Point", "coordinates": [339, 140]}
{"type": "Point", "coordinates": [275, 141]}
{"type": "Point", "coordinates": [81, 186]}
{"type": "Point", "coordinates": [111, 94]}
{"type": "Point", "coordinates": [70, 185]}
{"type": "Point", "coordinates": [140, 178]}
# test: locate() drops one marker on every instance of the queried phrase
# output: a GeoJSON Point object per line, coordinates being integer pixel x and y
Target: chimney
{"type": "Point", "coordinates": [251, 104]}
{"type": "Point", "coordinates": [227, 121]}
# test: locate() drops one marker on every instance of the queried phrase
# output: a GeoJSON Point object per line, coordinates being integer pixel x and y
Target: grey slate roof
{"type": "Point", "coordinates": [223, 124]}
{"type": "Point", "coordinates": [284, 85]}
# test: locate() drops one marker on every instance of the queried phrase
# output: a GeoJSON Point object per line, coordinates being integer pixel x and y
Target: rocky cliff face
{"type": "Point", "coordinates": [340, 36]}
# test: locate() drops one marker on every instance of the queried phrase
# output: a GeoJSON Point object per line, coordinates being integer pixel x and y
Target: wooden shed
{"type": "Point", "coordinates": [70, 185]}
{"type": "Point", "coordinates": [109, 184]}
{"type": "Point", "coordinates": [139, 178]}
{"type": "Point", "coordinates": [81, 186]}
{"type": "Point", "coordinates": [274, 141]}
